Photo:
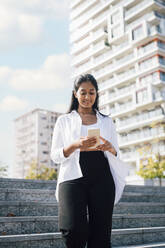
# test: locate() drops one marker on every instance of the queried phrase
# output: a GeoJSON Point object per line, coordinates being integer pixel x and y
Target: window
{"type": "Point", "coordinates": [45, 152]}
{"type": "Point", "coordinates": [115, 17]}
{"type": "Point", "coordinates": [162, 76]}
{"type": "Point", "coordinates": [162, 60]}
{"type": "Point", "coordinates": [147, 47]}
{"type": "Point", "coordinates": [161, 44]}
{"type": "Point", "coordinates": [43, 117]}
{"type": "Point", "coordinates": [149, 78]}
{"type": "Point", "coordinates": [141, 95]}
{"type": "Point", "coordinates": [53, 118]}
{"type": "Point", "coordinates": [148, 63]}
{"type": "Point", "coordinates": [137, 32]}
{"type": "Point", "coordinates": [44, 143]}
{"type": "Point", "coordinates": [116, 31]}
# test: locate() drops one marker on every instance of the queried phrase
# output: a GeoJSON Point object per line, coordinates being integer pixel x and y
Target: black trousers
{"type": "Point", "coordinates": [86, 204]}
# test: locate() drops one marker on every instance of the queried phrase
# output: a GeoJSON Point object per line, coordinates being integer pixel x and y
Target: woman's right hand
{"type": "Point", "coordinates": [84, 143]}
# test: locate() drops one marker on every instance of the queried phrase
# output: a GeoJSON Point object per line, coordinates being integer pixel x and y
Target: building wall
{"type": "Point", "coordinates": [33, 136]}
{"type": "Point", "coordinates": [122, 43]}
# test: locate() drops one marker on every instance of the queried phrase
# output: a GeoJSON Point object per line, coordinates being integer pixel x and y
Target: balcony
{"type": "Point", "coordinates": [153, 78]}
{"type": "Point", "coordinates": [84, 17]}
{"type": "Point", "coordinates": [148, 63]}
{"type": "Point", "coordinates": [133, 154]}
{"type": "Point", "coordinates": [153, 30]}
{"type": "Point", "coordinates": [113, 67]}
{"type": "Point", "coordinates": [106, 56]}
{"type": "Point", "coordinates": [124, 59]}
{"type": "Point", "coordinates": [99, 17]}
{"type": "Point", "coordinates": [159, 95]}
{"type": "Point", "coordinates": [133, 108]}
{"type": "Point", "coordinates": [79, 33]}
{"type": "Point", "coordinates": [135, 23]}
{"type": "Point", "coordinates": [140, 136]}
{"type": "Point", "coordinates": [147, 48]}
{"type": "Point", "coordinates": [103, 70]}
{"type": "Point", "coordinates": [86, 4]}
{"type": "Point", "coordinates": [106, 84]}
{"type": "Point", "coordinates": [83, 68]}
{"type": "Point", "coordinates": [103, 99]}
{"type": "Point", "coordinates": [98, 48]}
{"type": "Point", "coordinates": [74, 3]}
{"type": "Point", "coordinates": [140, 120]}
{"type": "Point", "coordinates": [121, 109]}
{"type": "Point", "coordinates": [81, 56]}
{"type": "Point", "coordinates": [126, 74]}
{"type": "Point", "coordinates": [138, 10]}
{"type": "Point", "coordinates": [125, 92]}
{"type": "Point", "coordinates": [89, 39]}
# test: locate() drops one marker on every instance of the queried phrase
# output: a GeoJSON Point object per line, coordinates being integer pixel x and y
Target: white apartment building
{"type": "Point", "coordinates": [33, 138]}
{"type": "Point", "coordinates": [122, 43]}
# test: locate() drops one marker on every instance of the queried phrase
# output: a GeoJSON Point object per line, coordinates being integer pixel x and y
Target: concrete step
{"type": "Point", "coordinates": [31, 208]}
{"type": "Point", "coordinates": [139, 208]}
{"type": "Point", "coordinates": [51, 184]}
{"type": "Point", "coordinates": [28, 225]}
{"type": "Point", "coordinates": [48, 195]}
{"type": "Point", "coordinates": [27, 183]}
{"type": "Point", "coordinates": [44, 224]}
{"type": "Point", "coordinates": [37, 208]}
{"type": "Point", "coordinates": [144, 188]}
{"type": "Point", "coordinates": [42, 195]}
{"type": "Point", "coordinates": [120, 237]}
{"type": "Point", "coordinates": [151, 245]}
{"type": "Point", "coordinates": [137, 236]}
{"type": "Point", "coordinates": [121, 221]}
{"type": "Point", "coordinates": [143, 197]}
{"type": "Point", "coordinates": [43, 240]}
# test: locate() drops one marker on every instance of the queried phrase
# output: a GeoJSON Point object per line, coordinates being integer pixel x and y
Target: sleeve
{"type": "Point", "coordinates": [56, 153]}
{"type": "Point", "coordinates": [114, 138]}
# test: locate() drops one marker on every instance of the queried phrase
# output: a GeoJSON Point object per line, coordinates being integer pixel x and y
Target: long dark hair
{"type": "Point", "coordinates": [78, 81]}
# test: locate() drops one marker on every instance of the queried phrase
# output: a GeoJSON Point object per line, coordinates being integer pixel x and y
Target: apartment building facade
{"type": "Point", "coordinates": [122, 43]}
{"type": "Point", "coordinates": [33, 137]}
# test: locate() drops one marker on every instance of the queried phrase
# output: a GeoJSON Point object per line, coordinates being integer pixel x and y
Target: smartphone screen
{"type": "Point", "coordinates": [94, 132]}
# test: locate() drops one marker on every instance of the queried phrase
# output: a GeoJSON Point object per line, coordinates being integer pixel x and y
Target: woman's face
{"type": "Point", "coordinates": [86, 95]}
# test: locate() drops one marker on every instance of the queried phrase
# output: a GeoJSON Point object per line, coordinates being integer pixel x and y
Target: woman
{"type": "Point", "coordinates": [86, 189]}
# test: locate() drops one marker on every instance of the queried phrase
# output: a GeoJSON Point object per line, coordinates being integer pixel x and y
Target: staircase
{"type": "Point", "coordinates": [29, 216]}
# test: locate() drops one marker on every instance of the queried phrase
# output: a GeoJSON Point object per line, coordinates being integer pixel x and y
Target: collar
{"type": "Point", "coordinates": [98, 115]}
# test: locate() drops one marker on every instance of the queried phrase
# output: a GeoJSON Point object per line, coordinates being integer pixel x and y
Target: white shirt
{"type": "Point", "coordinates": [68, 130]}
{"type": "Point", "coordinates": [84, 128]}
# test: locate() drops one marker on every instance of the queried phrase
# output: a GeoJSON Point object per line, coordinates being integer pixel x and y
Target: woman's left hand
{"type": "Point", "coordinates": [106, 146]}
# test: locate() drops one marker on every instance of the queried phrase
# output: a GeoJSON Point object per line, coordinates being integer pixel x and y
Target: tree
{"type": "Point", "coordinates": [43, 172]}
{"type": "Point", "coordinates": [152, 165]}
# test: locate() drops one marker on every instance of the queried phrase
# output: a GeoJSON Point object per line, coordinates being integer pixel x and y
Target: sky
{"type": "Point", "coordinates": [34, 63]}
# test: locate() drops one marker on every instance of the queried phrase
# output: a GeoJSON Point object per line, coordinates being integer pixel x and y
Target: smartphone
{"type": "Point", "coordinates": [94, 132]}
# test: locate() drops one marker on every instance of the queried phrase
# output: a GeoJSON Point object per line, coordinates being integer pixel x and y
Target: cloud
{"type": "Point", "coordinates": [57, 9]}
{"type": "Point", "coordinates": [13, 103]}
{"type": "Point", "coordinates": [53, 74]}
{"type": "Point", "coordinates": [5, 73]}
{"type": "Point", "coordinates": [22, 22]}
{"type": "Point", "coordinates": [60, 107]}
{"type": "Point", "coordinates": [19, 28]}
